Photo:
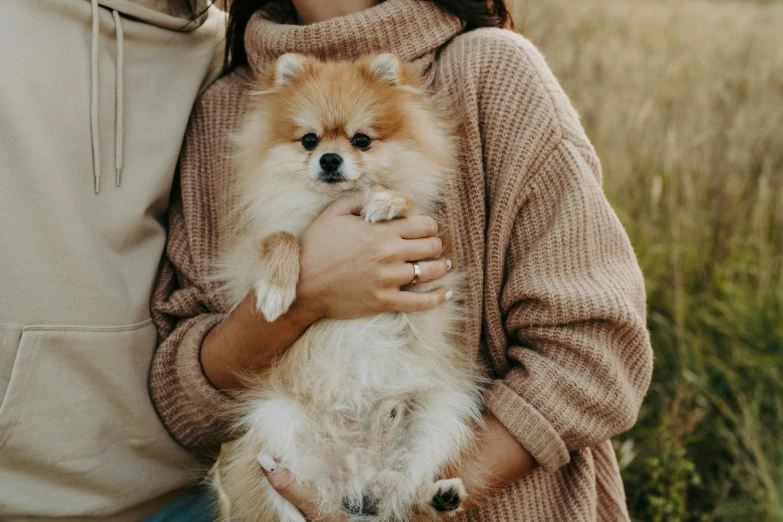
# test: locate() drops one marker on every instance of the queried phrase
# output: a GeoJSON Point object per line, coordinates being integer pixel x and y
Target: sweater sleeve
{"type": "Point", "coordinates": [192, 409]}
{"type": "Point", "coordinates": [573, 306]}
{"type": "Point", "coordinates": [564, 300]}
{"type": "Point", "coordinates": [184, 305]}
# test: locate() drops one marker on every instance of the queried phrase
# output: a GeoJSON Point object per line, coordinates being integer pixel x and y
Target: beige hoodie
{"type": "Point", "coordinates": [94, 101]}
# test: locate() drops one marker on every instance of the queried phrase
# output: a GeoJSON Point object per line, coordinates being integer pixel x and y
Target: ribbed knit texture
{"type": "Point", "coordinates": [555, 298]}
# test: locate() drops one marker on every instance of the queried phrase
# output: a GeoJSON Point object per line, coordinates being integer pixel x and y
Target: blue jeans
{"type": "Point", "coordinates": [196, 506]}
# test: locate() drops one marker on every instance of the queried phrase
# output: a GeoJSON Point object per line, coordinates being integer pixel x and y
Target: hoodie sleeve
{"type": "Point", "coordinates": [184, 305]}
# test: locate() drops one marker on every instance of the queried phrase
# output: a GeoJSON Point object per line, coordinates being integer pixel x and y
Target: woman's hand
{"type": "Point", "coordinates": [348, 268]}
{"type": "Point", "coordinates": [296, 494]}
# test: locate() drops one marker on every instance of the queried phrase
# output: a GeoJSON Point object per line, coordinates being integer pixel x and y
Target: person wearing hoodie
{"type": "Point", "coordinates": [95, 97]}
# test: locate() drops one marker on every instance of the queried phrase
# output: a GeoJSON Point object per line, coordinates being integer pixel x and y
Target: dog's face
{"type": "Point", "coordinates": [337, 126]}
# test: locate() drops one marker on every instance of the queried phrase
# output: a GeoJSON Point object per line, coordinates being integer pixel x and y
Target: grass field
{"type": "Point", "coordinates": [684, 101]}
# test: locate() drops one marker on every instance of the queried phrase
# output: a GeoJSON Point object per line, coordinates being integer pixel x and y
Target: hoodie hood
{"type": "Point", "coordinates": [175, 15]}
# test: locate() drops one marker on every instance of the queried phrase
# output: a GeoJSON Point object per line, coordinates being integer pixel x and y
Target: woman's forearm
{"type": "Point", "coordinates": [245, 342]}
{"type": "Point", "coordinates": [500, 459]}
{"type": "Point", "coordinates": [503, 453]}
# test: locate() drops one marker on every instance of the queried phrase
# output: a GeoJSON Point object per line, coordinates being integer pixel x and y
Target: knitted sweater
{"type": "Point", "coordinates": [555, 298]}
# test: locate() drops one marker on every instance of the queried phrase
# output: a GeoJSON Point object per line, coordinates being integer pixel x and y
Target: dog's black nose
{"type": "Point", "coordinates": [331, 162]}
{"type": "Point", "coordinates": [368, 507]}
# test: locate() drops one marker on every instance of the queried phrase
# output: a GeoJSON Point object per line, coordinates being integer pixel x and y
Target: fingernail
{"type": "Point", "coordinates": [448, 264]}
{"type": "Point", "coordinates": [267, 462]}
{"type": "Point", "coordinates": [449, 295]}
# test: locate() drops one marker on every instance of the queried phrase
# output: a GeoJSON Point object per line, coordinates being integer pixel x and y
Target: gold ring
{"type": "Point", "coordinates": [416, 273]}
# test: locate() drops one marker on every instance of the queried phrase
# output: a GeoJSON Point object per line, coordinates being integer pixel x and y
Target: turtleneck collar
{"type": "Point", "coordinates": [411, 29]}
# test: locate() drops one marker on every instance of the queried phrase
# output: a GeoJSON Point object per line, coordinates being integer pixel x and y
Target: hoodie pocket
{"type": "Point", "coordinates": [78, 432]}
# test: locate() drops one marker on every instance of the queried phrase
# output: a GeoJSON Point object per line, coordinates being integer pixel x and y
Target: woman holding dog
{"type": "Point", "coordinates": [555, 299]}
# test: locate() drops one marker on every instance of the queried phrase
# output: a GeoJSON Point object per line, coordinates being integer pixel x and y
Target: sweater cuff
{"type": "Point", "coordinates": [528, 426]}
{"type": "Point", "coordinates": [211, 401]}
{"type": "Point", "coordinates": [193, 410]}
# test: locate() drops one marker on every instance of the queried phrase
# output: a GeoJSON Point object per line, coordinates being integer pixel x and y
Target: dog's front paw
{"type": "Point", "coordinates": [275, 289]}
{"type": "Point", "coordinates": [446, 497]}
{"type": "Point", "coordinates": [273, 301]}
{"type": "Point", "coordinates": [385, 205]}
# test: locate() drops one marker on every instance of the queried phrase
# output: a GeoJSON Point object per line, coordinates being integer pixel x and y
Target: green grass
{"type": "Point", "coordinates": [684, 101]}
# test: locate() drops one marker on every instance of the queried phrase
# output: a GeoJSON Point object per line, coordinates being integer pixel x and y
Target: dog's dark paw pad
{"type": "Point", "coordinates": [446, 500]}
{"type": "Point", "coordinates": [447, 495]}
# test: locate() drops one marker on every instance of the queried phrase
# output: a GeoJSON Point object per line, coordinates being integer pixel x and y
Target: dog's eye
{"type": "Point", "coordinates": [309, 141]}
{"type": "Point", "coordinates": [361, 141]}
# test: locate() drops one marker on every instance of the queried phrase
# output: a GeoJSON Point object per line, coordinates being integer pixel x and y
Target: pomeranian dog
{"type": "Point", "coordinates": [377, 415]}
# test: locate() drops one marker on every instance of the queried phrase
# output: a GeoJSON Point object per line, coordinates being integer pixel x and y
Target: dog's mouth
{"type": "Point", "coordinates": [332, 177]}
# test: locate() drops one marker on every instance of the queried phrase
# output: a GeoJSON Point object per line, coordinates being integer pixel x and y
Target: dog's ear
{"type": "Point", "coordinates": [386, 67]}
{"type": "Point", "coordinates": [288, 67]}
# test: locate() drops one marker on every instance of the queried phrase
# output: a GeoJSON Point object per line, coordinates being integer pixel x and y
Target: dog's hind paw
{"type": "Point", "coordinates": [447, 496]}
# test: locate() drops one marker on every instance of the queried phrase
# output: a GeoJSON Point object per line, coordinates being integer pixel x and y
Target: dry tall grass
{"type": "Point", "coordinates": [684, 102]}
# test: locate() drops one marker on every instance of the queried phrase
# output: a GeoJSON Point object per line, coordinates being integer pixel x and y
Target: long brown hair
{"type": "Point", "coordinates": [475, 13]}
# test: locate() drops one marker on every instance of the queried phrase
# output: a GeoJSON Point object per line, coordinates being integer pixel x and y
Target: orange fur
{"type": "Point", "coordinates": [281, 250]}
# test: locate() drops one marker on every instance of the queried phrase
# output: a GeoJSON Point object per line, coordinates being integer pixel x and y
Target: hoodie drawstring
{"type": "Point", "coordinates": [118, 96]}
{"type": "Point", "coordinates": [94, 101]}
{"type": "Point", "coordinates": [96, 143]}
